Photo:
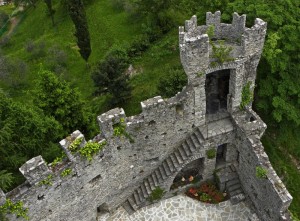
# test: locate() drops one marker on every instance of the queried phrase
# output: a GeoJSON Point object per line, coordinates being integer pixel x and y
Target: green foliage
{"type": "Point", "coordinates": [120, 130]}
{"type": "Point", "coordinates": [90, 149]}
{"type": "Point", "coordinates": [47, 181]}
{"type": "Point", "coordinates": [17, 208]}
{"type": "Point", "coordinates": [156, 194]}
{"type": "Point", "coordinates": [58, 160]}
{"type": "Point", "coordinates": [211, 153]}
{"type": "Point", "coordinates": [221, 52]}
{"type": "Point", "coordinates": [25, 132]}
{"type": "Point", "coordinates": [109, 76]}
{"type": "Point", "coordinates": [56, 98]}
{"type": "Point", "coordinates": [261, 172]}
{"type": "Point", "coordinates": [77, 14]}
{"type": "Point", "coordinates": [247, 96]}
{"type": "Point", "coordinates": [172, 83]}
{"type": "Point", "coordinates": [6, 180]}
{"type": "Point", "coordinates": [74, 146]}
{"type": "Point", "coordinates": [210, 31]}
{"type": "Point", "coordinates": [66, 172]}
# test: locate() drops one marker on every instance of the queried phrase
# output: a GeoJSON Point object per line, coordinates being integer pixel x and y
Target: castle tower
{"type": "Point", "coordinates": [220, 65]}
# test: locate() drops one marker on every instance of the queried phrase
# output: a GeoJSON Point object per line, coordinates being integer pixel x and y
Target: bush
{"type": "Point", "coordinates": [172, 83]}
{"type": "Point", "coordinates": [261, 172]}
{"type": "Point", "coordinates": [109, 76]}
{"type": "Point", "coordinates": [211, 153]}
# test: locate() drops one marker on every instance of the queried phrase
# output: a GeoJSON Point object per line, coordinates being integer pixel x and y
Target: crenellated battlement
{"type": "Point", "coordinates": [196, 51]}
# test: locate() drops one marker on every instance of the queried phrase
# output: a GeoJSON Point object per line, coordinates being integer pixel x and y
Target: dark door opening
{"type": "Point", "coordinates": [221, 155]}
{"type": "Point", "coordinates": [216, 90]}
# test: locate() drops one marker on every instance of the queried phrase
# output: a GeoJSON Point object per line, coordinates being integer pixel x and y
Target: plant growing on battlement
{"type": "Point", "coordinates": [221, 52]}
{"type": "Point", "coordinates": [74, 146]}
{"type": "Point", "coordinates": [90, 149]}
{"type": "Point", "coordinates": [47, 181]}
{"type": "Point", "coordinates": [261, 172]}
{"type": "Point", "coordinates": [120, 130]}
{"type": "Point", "coordinates": [247, 95]}
{"type": "Point", "coordinates": [66, 172]}
{"type": "Point", "coordinates": [156, 194]}
{"type": "Point", "coordinates": [58, 160]}
{"type": "Point", "coordinates": [211, 153]}
{"type": "Point", "coordinates": [17, 208]}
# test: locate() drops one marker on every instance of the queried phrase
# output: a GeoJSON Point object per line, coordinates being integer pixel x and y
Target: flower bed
{"type": "Point", "coordinates": [207, 192]}
{"type": "Point", "coordinates": [185, 181]}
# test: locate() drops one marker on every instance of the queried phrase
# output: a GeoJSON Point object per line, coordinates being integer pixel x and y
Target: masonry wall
{"type": "Point", "coordinates": [269, 195]}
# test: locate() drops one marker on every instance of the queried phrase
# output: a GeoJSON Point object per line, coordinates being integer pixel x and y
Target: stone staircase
{"type": "Point", "coordinates": [229, 181]}
{"type": "Point", "coordinates": [172, 164]}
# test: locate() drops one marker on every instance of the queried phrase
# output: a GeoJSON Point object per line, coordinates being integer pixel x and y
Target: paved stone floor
{"type": "Point", "coordinates": [183, 208]}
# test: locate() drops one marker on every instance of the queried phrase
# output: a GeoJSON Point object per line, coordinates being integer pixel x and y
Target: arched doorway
{"type": "Point", "coordinates": [216, 90]}
{"type": "Point", "coordinates": [190, 173]}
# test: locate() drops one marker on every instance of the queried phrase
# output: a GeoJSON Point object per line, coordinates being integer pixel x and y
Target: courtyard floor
{"type": "Point", "coordinates": [183, 208]}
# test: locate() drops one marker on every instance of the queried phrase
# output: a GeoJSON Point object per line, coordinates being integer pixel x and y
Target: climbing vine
{"type": "Point", "coordinates": [247, 95]}
{"type": "Point", "coordinates": [17, 208]}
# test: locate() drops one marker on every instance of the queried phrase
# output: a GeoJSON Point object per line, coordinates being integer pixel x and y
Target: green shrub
{"type": "Point", "coordinates": [47, 181]}
{"type": "Point", "coordinates": [66, 172]}
{"type": "Point", "coordinates": [211, 153]}
{"type": "Point", "coordinates": [172, 83]}
{"type": "Point", "coordinates": [17, 208]}
{"type": "Point", "coordinates": [261, 172]}
{"type": "Point", "coordinates": [90, 149]}
{"type": "Point", "coordinates": [74, 146]}
{"type": "Point", "coordinates": [156, 194]}
{"type": "Point", "coordinates": [120, 129]}
{"type": "Point", "coordinates": [247, 96]}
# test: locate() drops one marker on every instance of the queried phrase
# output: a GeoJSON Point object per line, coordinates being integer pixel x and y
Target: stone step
{"type": "Point", "coordinates": [233, 187]}
{"type": "Point", "coordinates": [170, 164]}
{"type": "Point", "coordinates": [154, 178]}
{"type": "Point", "coordinates": [158, 175]}
{"type": "Point", "coordinates": [144, 191]}
{"type": "Point", "coordinates": [174, 160]}
{"type": "Point", "coordinates": [232, 182]}
{"type": "Point", "coordinates": [126, 205]}
{"type": "Point", "coordinates": [162, 172]}
{"type": "Point", "coordinates": [199, 135]}
{"type": "Point", "coordinates": [136, 198]}
{"type": "Point", "coordinates": [132, 203]}
{"type": "Point", "coordinates": [186, 149]}
{"type": "Point", "coordinates": [140, 194]}
{"type": "Point", "coordinates": [178, 157]}
{"type": "Point", "coordinates": [235, 192]}
{"type": "Point", "coordinates": [237, 198]}
{"type": "Point", "coordinates": [191, 144]}
{"type": "Point", "coordinates": [195, 140]}
{"type": "Point", "coordinates": [147, 186]}
{"type": "Point", "coordinates": [182, 153]}
{"type": "Point", "coordinates": [166, 168]}
{"type": "Point", "coordinates": [151, 183]}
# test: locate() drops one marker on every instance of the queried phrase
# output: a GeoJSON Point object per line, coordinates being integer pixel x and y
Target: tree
{"type": "Point", "coordinates": [77, 14]}
{"type": "Point", "coordinates": [172, 83]}
{"type": "Point", "coordinates": [56, 98]}
{"type": "Point", "coordinates": [109, 76]}
{"type": "Point", "coordinates": [24, 133]}
{"type": "Point", "coordinates": [51, 11]}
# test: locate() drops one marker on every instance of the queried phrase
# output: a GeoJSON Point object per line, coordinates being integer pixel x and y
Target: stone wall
{"type": "Point", "coordinates": [269, 195]}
